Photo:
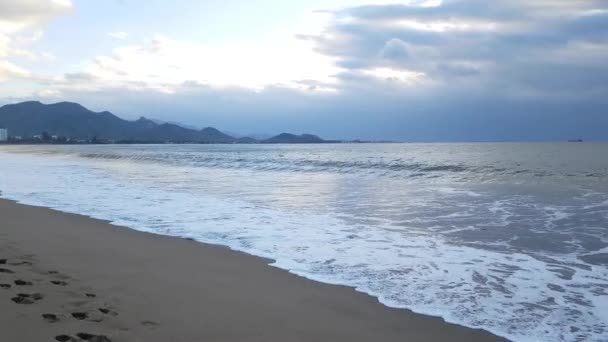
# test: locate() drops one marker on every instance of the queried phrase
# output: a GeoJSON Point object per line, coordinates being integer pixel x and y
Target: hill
{"type": "Point", "coordinates": [288, 138]}
{"type": "Point", "coordinates": [71, 120]}
{"type": "Point", "coordinates": [67, 119]}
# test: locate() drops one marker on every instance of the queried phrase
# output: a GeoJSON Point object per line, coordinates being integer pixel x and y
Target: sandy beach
{"type": "Point", "coordinates": [72, 278]}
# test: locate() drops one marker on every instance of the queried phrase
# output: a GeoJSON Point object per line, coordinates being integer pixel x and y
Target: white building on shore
{"type": "Point", "coordinates": [3, 134]}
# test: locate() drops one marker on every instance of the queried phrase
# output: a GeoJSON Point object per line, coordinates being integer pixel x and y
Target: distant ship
{"type": "Point", "coordinates": [576, 140]}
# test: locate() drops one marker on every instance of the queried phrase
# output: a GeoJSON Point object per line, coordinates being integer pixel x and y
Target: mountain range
{"type": "Point", "coordinates": [72, 120]}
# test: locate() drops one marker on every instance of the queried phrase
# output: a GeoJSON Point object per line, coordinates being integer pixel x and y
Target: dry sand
{"type": "Point", "coordinates": [155, 288]}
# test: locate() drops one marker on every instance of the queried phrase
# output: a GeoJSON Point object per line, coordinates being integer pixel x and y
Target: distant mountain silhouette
{"type": "Point", "coordinates": [67, 119]}
{"type": "Point", "coordinates": [288, 138]}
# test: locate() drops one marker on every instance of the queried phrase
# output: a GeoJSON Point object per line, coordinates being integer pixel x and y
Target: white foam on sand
{"type": "Point", "coordinates": [510, 294]}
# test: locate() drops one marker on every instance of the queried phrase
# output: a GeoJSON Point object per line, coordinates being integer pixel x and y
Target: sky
{"type": "Point", "coordinates": [419, 70]}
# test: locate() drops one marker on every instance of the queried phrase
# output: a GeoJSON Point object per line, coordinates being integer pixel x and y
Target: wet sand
{"type": "Point", "coordinates": [62, 275]}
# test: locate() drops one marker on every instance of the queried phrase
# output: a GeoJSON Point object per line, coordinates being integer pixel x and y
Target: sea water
{"type": "Point", "coordinates": [511, 238]}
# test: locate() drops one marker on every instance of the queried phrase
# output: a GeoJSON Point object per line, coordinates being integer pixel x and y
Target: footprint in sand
{"type": "Point", "coordinates": [80, 315]}
{"type": "Point", "coordinates": [93, 338]}
{"type": "Point", "coordinates": [24, 298]}
{"type": "Point", "coordinates": [20, 282]}
{"type": "Point", "coordinates": [34, 296]}
{"type": "Point", "coordinates": [58, 282]}
{"type": "Point", "coordinates": [83, 336]}
{"type": "Point", "coordinates": [108, 312]}
{"type": "Point", "coordinates": [51, 318]}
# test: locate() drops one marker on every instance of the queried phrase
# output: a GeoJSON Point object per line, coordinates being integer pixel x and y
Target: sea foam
{"type": "Point", "coordinates": [417, 257]}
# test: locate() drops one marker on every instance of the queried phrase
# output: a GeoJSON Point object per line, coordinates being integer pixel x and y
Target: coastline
{"type": "Point", "coordinates": [166, 288]}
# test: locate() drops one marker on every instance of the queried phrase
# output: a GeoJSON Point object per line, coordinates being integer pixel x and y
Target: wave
{"type": "Point", "coordinates": [398, 169]}
{"type": "Point", "coordinates": [506, 262]}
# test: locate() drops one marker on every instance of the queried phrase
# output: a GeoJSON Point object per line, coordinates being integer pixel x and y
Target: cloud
{"type": "Point", "coordinates": [11, 71]}
{"type": "Point", "coordinates": [119, 35]}
{"type": "Point", "coordinates": [517, 47]}
{"type": "Point", "coordinates": [78, 77]}
{"type": "Point", "coordinates": [395, 49]}
{"type": "Point", "coordinates": [453, 43]}
{"type": "Point", "coordinates": [395, 75]}
{"type": "Point", "coordinates": [377, 111]}
{"type": "Point", "coordinates": [49, 93]}
{"type": "Point", "coordinates": [16, 17]}
{"type": "Point", "coordinates": [162, 62]}
{"type": "Point", "coordinates": [421, 71]}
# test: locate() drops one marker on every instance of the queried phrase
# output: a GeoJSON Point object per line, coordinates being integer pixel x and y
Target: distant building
{"type": "Point", "coordinates": [3, 134]}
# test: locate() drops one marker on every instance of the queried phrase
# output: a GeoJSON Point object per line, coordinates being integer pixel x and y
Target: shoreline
{"type": "Point", "coordinates": [206, 292]}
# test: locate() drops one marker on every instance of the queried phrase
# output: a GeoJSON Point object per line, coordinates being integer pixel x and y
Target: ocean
{"type": "Point", "coordinates": [508, 237]}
